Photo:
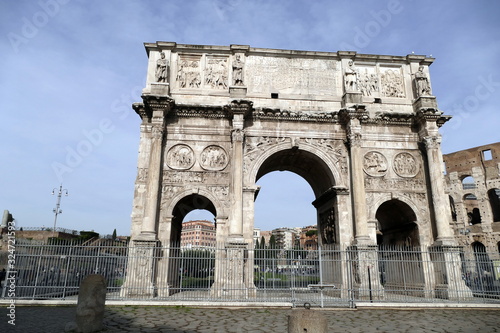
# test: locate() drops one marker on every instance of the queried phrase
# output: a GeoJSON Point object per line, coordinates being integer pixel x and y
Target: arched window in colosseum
{"type": "Point", "coordinates": [453, 209]}
{"type": "Point", "coordinates": [494, 196]}
{"type": "Point", "coordinates": [472, 208]}
{"type": "Point", "coordinates": [468, 183]}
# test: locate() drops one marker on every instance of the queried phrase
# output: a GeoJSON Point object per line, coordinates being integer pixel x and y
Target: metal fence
{"type": "Point", "coordinates": [330, 276]}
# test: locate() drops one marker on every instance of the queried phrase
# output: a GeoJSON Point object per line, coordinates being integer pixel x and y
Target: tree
{"type": "Point", "coordinates": [311, 232]}
{"type": "Point", "coordinates": [272, 242]}
{"type": "Point", "coordinates": [262, 242]}
{"type": "Point", "coordinates": [114, 234]}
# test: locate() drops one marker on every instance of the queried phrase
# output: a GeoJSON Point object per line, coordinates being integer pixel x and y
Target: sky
{"type": "Point", "coordinates": [71, 69]}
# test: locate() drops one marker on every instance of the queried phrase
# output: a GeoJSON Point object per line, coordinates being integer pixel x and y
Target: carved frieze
{"type": "Point", "coordinates": [188, 71]}
{"type": "Point", "coordinates": [216, 72]}
{"type": "Point", "coordinates": [180, 157]}
{"type": "Point", "coordinates": [214, 158]}
{"type": "Point", "coordinates": [391, 80]}
{"type": "Point", "coordinates": [379, 184]}
{"type": "Point", "coordinates": [405, 165]}
{"type": "Point", "coordinates": [277, 114]}
{"type": "Point", "coordinates": [186, 177]}
{"type": "Point", "coordinates": [375, 164]}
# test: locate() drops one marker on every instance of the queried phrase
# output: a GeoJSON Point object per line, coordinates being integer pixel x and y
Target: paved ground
{"type": "Point", "coordinates": [53, 319]}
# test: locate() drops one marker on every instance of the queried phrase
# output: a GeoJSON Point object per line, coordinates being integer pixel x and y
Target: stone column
{"type": "Point", "coordinates": [231, 276]}
{"type": "Point", "coordinates": [445, 254]}
{"type": "Point", "coordinates": [158, 109]}
{"type": "Point", "coordinates": [239, 109]}
{"type": "Point", "coordinates": [353, 127]}
{"type": "Point", "coordinates": [440, 202]}
{"type": "Point", "coordinates": [236, 226]}
{"type": "Point", "coordinates": [141, 275]}
{"type": "Point", "coordinates": [148, 230]}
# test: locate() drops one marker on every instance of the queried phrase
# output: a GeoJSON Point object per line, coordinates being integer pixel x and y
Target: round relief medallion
{"type": "Point", "coordinates": [213, 158]}
{"type": "Point", "coordinates": [375, 164]}
{"type": "Point", "coordinates": [180, 157]}
{"type": "Point", "coordinates": [405, 165]}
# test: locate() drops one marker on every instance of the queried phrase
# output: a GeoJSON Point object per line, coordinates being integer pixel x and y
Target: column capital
{"type": "Point", "coordinates": [237, 135]}
{"type": "Point", "coordinates": [432, 142]}
{"type": "Point", "coordinates": [157, 131]}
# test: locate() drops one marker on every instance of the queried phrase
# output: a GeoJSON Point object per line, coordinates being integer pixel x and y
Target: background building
{"type": "Point", "coordinates": [198, 234]}
{"type": "Point", "coordinates": [473, 180]}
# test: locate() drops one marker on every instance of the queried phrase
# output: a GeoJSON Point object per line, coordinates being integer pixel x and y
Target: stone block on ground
{"type": "Point", "coordinates": [304, 320]}
{"type": "Point", "coordinates": [90, 307]}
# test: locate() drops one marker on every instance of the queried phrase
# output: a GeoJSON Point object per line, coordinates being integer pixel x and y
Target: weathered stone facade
{"type": "Point", "coordinates": [475, 205]}
{"type": "Point", "coordinates": [361, 129]}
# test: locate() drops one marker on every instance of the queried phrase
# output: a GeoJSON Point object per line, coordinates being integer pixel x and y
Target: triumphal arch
{"type": "Point", "coordinates": [361, 129]}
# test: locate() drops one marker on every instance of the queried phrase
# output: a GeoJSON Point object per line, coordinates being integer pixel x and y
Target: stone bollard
{"type": "Point", "coordinates": [305, 320]}
{"type": "Point", "coordinates": [90, 307]}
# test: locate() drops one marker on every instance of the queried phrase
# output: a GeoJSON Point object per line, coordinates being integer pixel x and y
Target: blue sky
{"type": "Point", "coordinates": [71, 69]}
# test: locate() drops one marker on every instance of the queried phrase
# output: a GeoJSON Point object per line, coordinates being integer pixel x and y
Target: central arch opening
{"type": "Point", "coordinates": [290, 225]}
{"type": "Point", "coordinates": [286, 197]}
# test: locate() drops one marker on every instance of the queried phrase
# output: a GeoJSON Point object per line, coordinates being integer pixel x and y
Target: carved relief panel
{"type": "Point", "coordinates": [189, 71]}
{"type": "Point", "coordinates": [392, 82]}
{"type": "Point", "coordinates": [216, 72]}
{"type": "Point", "coordinates": [399, 176]}
{"type": "Point", "coordinates": [375, 164]}
{"type": "Point", "coordinates": [214, 158]}
{"type": "Point", "coordinates": [327, 225]}
{"type": "Point", "coordinates": [180, 157]}
{"type": "Point", "coordinates": [368, 81]}
{"type": "Point", "coordinates": [405, 165]}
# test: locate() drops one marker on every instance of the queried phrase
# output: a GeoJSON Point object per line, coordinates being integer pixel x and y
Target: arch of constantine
{"type": "Point", "coordinates": [361, 129]}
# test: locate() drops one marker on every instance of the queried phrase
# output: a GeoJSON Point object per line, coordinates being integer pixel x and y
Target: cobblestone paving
{"type": "Point", "coordinates": [53, 319]}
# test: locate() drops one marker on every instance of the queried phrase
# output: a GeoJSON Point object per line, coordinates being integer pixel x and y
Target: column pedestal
{"type": "Point", "coordinates": [139, 281]}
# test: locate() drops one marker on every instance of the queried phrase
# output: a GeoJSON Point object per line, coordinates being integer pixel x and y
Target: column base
{"type": "Point", "coordinates": [139, 281]}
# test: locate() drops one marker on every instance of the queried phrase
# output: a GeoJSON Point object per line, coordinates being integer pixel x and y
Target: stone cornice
{"type": "Point", "coordinates": [432, 115]}
{"type": "Point", "coordinates": [141, 110]}
{"type": "Point", "coordinates": [158, 103]}
{"type": "Point", "coordinates": [356, 112]}
{"type": "Point", "coordinates": [277, 114]}
{"type": "Point", "coordinates": [401, 119]}
{"type": "Point", "coordinates": [329, 194]}
{"type": "Point", "coordinates": [242, 107]}
{"type": "Point", "coordinates": [225, 49]}
{"type": "Point", "coordinates": [200, 111]}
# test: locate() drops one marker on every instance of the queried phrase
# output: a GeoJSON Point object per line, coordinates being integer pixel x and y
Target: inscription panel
{"type": "Point", "coordinates": [292, 76]}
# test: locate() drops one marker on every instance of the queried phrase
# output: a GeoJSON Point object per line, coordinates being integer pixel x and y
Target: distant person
{"type": "Point", "coordinates": [2, 277]}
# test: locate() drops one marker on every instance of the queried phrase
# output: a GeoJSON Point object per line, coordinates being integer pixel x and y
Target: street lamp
{"type": "Point", "coordinates": [58, 210]}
